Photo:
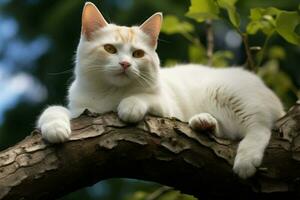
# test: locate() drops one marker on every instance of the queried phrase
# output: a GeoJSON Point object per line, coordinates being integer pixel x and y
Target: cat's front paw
{"type": "Point", "coordinates": [204, 122]}
{"type": "Point", "coordinates": [246, 162]}
{"type": "Point", "coordinates": [56, 131]}
{"type": "Point", "coordinates": [132, 110]}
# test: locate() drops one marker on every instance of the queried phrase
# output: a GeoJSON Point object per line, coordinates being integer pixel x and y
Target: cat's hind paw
{"type": "Point", "coordinates": [246, 162]}
{"type": "Point", "coordinates": [204, 122]}
{"type": "Point", "coordinates": [56, 131]}
{"type": "Point", "coordinates": [132, 110]}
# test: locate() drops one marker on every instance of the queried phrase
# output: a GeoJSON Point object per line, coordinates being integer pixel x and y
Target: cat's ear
{"type": "Point", "coordinates": [152, 27]}
{"type": "Point", "coordinates": [92, 20]}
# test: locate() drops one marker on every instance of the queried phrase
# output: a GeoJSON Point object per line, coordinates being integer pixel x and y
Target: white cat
{"type": "Point", "coordinates": [117, 69]}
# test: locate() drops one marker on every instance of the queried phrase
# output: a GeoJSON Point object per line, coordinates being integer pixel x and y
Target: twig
{"type": "Point", "coordinates": [209, 41]}
{"type": "Point", "coordinates": [262, 53]}
{"type": "Point", "coordinates": [250, 63]}
{"type": "Point", "coordinates": [159, 192]}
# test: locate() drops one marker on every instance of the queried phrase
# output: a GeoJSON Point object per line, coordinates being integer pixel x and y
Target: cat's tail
{"type": "Point", "coordinates": [54, 123]}
{"type": "Point", "coordinates": [250, 151]}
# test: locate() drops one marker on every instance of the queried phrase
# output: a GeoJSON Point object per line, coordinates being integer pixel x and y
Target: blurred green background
{"type": "Point", "coordinates": [38, 39]}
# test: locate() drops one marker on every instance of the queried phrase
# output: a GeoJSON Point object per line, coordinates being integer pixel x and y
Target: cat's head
{"type": "Point", "coordinates": [118, 55]}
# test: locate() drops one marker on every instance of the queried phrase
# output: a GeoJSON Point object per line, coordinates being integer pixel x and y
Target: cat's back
{"type": "Point", "coordinates": [185, 75]}
{"type": "Point", "coordinates": [202, 82]}
{"type": "Point", "coordinates": [184, 71]}
{"type": "Point", "coordinates": [200, 75]}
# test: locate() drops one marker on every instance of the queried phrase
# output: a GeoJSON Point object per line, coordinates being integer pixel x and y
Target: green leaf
{"type": "Point", "coordinates": [254, 26]}
{"type": "Point", "coordinates": [230, 2]}
{"type": "Point", "coordinates": [286, 24]}
{"type": "Point", "coordinates": [170, 195]}
{"type": "Point", "coordinates": [174, 195]}
{"type": "Point", "coordinates": [171, 62]}
{"type": "Point", "coordinates": [138, 195]}
{"type": "Point", "coordinates": [197, 54]}
{"type": "Point", "coordinates": [222, 58]}
{"type": "Point", "coordinates": [272, 19]}
{"type": "Point", "coordinates": [172, 25]}
{"type": "Point", "coordinates": [201, 10]}
{"type": "Point", "coordinates": [276, 52]}
{"type": "Point", "coordinates": [272, 76]}
{"type": "Point", "coordinates": [263, 19]}
{"type": "Point", "coordinates": [259, 13]}
{"type": "Point", "coordinates": [234, 17]}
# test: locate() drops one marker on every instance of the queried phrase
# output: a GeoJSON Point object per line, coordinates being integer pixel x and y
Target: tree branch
{"type": "Point", "coordinates": [156, 149]}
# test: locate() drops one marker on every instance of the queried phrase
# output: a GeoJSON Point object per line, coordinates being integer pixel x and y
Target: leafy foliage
{"type": "Point", "coordinates": [229, 6]}
{"type": "Point", "coordinates": [200, 10]}
{"type": "Point", "coordinates": [269, 20]}
{"type": "Point", "coordinates": [287, 30]}
{"type": "Point", "coordinates": [173, 25]}
{"type": "Point", "coordinates": [262, 19]}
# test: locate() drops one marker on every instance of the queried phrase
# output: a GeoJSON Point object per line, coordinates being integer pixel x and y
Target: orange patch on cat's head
{"type": "Point", "coordinates": [125, 34]}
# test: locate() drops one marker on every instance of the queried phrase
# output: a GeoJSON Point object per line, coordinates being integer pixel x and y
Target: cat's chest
{"type": "Point", "coordinates": [106, 102]}
{"type": "Point", "coordinates": [95, 101]}
{"type": "Point", "coordinates": [101, 103]}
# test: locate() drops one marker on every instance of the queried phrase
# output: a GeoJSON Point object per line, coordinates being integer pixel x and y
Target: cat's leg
{"type": "Point", "coordinates": [133, 109]}
{"type": "Point", "coordinates": [250, 151]}
{"type": "Point", "coordinates": [205, 122]}
{"type": "Point", "coordinates": [54, 123]}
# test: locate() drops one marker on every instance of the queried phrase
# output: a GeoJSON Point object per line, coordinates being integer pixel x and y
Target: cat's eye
{"type": "Point", "coordinates": [138, 53]}
{"type": "Point", "coordinates": [110, 48]}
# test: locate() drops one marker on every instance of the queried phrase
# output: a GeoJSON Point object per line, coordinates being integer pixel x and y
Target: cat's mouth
{"type": "Point", "coordinates": [123, 73]}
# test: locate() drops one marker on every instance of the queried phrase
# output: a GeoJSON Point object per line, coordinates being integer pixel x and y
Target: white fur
{"type": "Point", "coordinates": [55, 124]}
{"type": "Point", "coordinates": [236, 101]}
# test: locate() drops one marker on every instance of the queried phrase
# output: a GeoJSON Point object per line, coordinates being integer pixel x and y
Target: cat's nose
{"type": "Point", "coordinates": [125, 64]}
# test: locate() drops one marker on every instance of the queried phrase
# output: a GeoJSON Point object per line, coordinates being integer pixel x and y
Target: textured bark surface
{"type": "Point", "coordinates": [157, 149]}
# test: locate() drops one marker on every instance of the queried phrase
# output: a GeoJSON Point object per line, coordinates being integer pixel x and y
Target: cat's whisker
{"type": "Point", "coordinates": [99, 69]}
{"type": "Point", "coordinates": [141, 83]}
{"type": "Point", "coordinates": [144, 78]}
{"type": "Point", "coordinates": [94, 70]}
{"type": "Point", "coordinates": [140, 76]}
{"type": "Point", "coordinates": [62, 72]}
{"type": "Point", "coordinates": [137, 76]}
{"type": "Point", "coordinates": [100, 66]}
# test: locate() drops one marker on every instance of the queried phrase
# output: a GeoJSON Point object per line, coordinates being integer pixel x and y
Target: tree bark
{"type": "Point", "coordinates": [157, 149]}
